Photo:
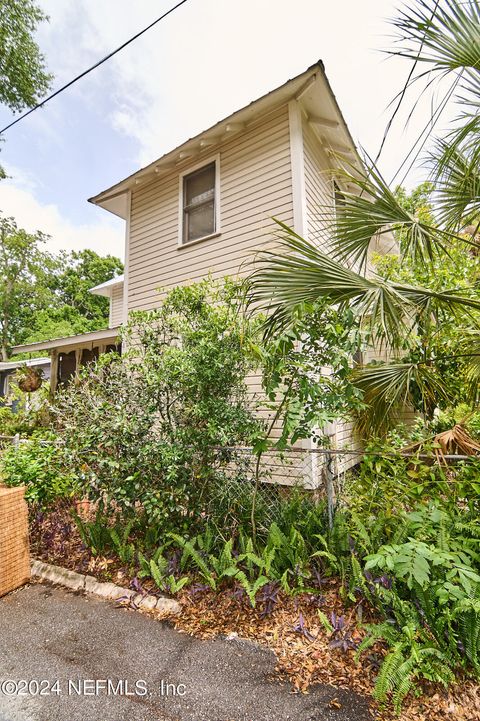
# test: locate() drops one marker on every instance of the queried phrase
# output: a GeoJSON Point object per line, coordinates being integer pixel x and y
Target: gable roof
{"type": "Point", "coordinates": [318, 101]}
{"type": "Point", "coordinates": [105, 289]}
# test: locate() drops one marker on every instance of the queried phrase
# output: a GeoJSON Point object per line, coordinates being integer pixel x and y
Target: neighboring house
{"type": "Point", "coordinates": [206, 207]}
{"type": "Point", "coordinates": [68, 354]}
{"type": "Point", "coordinates": [7, 376]}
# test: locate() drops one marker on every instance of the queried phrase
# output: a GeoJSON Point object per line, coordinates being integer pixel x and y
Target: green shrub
{"type": "Point", "coordinates": [153, 430]}
{"type": "Point", "coordinates": [39, 465]}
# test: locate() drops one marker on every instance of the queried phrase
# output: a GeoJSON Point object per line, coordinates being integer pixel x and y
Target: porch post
{"type": "Point", "coordinates": [53, 372]}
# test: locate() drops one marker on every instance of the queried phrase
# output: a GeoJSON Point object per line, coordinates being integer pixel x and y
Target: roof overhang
{"type": "Point", "coordinates": [30, 363]}
{"type": "Point", "coordinates": [106, 288]}
{"type": "Point", "coordinates": [319, 104]}
{"type": "Point", "coordinates": [83, 340]}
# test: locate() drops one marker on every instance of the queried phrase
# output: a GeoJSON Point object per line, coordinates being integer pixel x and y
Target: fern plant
{"type": "Point", "coordinates": [413, 655]}
{"type": "Point", "coordinates": [120, 541]}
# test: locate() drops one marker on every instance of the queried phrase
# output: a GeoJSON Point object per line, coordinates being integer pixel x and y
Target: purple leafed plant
{"type": "Point", "coordinates": [301, 628]}
{"type": "Point", "coordinates": [137, 586]}
{"type": "Point", "coordinates": [268, 596]}
{"type": "Point", "coordinates": [341, 636]}
{"type": "Point", "coordinates": [318, 580]}
{"type": "Point", "coordinates": [198, 588]}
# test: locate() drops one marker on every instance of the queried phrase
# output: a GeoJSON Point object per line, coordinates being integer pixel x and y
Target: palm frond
{"type": "Point", "coordinates": [388, 391]}
{"type": "Point", "coordinates": [373, 211]}
{"type": "Point", "coordinates": [457, 181]}
{"type": "Point", "coordinates": [466, 133]}
{"type": "Point", "coordinates": [445, 35]}
{"type": "Point", "coordinates": [299, 273]}
{"type": "Point", "coordinates": [453, 441]}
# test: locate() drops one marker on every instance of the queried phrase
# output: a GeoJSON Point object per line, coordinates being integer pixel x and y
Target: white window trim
{"type": "Point", "coordinates": [191, 169]}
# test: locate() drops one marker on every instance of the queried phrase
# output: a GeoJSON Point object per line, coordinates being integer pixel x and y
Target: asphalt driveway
{"type": "Point", "coordinates": [110, 664]}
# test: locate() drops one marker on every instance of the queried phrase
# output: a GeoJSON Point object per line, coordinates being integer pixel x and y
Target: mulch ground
{"type": "Point", "coordinates": [293, 630]}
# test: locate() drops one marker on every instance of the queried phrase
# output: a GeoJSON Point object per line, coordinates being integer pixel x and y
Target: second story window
{"type": "Point", "coordinates": [199, 203]}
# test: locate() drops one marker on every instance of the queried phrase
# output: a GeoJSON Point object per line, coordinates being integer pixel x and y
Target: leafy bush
{"type": "Point", "coordinates": [26, 420]}
{"type": "Point", "coordinates": [39, 465]}
{"type": "Point", "coordinates": [153, 430]}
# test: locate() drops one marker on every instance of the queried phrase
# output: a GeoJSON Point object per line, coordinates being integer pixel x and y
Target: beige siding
{"type": "Point", "coordinates": [116, 306]}
{"type": "Point", "coordinates": [319, 206]}
{"type": "Point", "coordinates": [318, 188]}
{"type": "Point", "coordinates": [255, 184]}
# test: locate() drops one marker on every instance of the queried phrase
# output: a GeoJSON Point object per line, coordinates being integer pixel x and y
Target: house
{"type": "Point", "coordinates": [206, 207]}
{"type": "Point", "coordinates": [67, 355]}
{"type": "Point", "coordinates": [8, 371]}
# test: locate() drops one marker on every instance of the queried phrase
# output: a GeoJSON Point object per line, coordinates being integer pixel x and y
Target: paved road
{"type": "Point", "coordinates": [48, 633]}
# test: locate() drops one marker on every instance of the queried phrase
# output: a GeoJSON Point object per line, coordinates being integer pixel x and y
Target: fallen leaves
{"type": "Point", "coordinates": [293, 631]}
{"type": "Point", "coordinates": [308, 659]}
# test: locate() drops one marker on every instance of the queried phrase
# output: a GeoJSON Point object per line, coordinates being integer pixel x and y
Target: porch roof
{"type": "Point", "coordinates": [83, 340]}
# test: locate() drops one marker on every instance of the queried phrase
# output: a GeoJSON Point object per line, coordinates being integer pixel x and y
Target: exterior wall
{"type": "Point", "coordinates": [255, 184]}
{"type": "Point", "coordinates": [319, 205]}
{"type": "Point", "coordinates": [116, 306]}
{"type": "Point", "coordinates": [318, 187]}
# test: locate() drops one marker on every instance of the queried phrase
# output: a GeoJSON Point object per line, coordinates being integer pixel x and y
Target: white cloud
{"type": "Point", "coordinates": [211, 57]}
{"type": "Point", "coordinates": [20, 202]}
{"type": "Point", "coordinates": [207, 59]}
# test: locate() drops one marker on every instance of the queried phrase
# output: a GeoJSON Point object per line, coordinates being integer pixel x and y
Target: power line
{"type": "Point", "coordinates": [93, 67]}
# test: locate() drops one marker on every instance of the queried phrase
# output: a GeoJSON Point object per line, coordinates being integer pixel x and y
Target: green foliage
{"type": "Point", "coordinates": [420, 311]}
{"type": "Point", "coordinates": [24, 267]}
{"type": "Point", "coordinates": [24, 417]}
{"type": "Point", "coordinates": [427, 588]}
{"type": "Point", "coordinates": [412, 656]}
{"type": "Point", "coordinates": [123, 548]}
{"type": "Point", "coordinates": [23, 78]}
{"type": "Point", "coordinates": [304, 397]}
{"type": "Point", "coordinates": [43, 296]}
{"type": "Point", "coordinates": [39, 465]}
{"type": "Point", "coordinates": [252, 564]}
{"type": "Point", "coordinates": [156, 426]}
{"type": "Point", "coordinates": [95, 534]}
{"type": "Point", "coordinates": [81, 271]}
{"type": "Point", "coordinates": [437, 345]}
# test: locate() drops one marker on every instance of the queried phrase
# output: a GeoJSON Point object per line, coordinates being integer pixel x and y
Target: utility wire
{"type": "Point", "coordinates": [93, 67]}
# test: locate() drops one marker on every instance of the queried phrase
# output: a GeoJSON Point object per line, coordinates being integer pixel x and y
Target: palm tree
{"type": "Point", "coordinates": [442, 37]}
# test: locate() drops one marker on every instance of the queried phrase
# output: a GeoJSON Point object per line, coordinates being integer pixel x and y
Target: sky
{"type": "Point", "coordinates": [206, 60]}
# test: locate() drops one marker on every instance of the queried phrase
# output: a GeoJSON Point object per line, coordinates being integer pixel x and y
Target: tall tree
{"type": "Point", "coordinates": [24, 274]}
{"type": "Point", "coordinates": [23, 75]}
{"type": "Point", "coordinates": [44, 296]}
{"type": "Point", "coordinates": [83, 270]}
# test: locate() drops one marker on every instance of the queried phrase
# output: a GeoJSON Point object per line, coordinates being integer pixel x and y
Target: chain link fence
{"type": "Point", "coordinates": [240, 475]}
{"type": "Point", "coordinates": [319, 472]}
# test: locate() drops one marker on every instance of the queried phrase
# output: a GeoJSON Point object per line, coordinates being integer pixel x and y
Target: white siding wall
{"type": "Point", "coordinates": [116, 306]}
{"type": "Point", "coordinates": [255, 184]}
{"type": "Point", "coordinates": [319, 204]}
{"type": "Point", "coordinates": [318, 187]}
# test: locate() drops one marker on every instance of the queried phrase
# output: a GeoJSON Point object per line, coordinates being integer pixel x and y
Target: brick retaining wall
{"type": "Point", "coordinates": [14, 548]}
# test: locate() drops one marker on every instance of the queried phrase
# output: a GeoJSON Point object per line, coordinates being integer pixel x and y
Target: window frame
{"type": "Point", "coordinates": [181, 243]}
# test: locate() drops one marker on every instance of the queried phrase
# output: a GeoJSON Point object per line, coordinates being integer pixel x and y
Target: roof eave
{"type": "Point", "coordinates": [83, 339]}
